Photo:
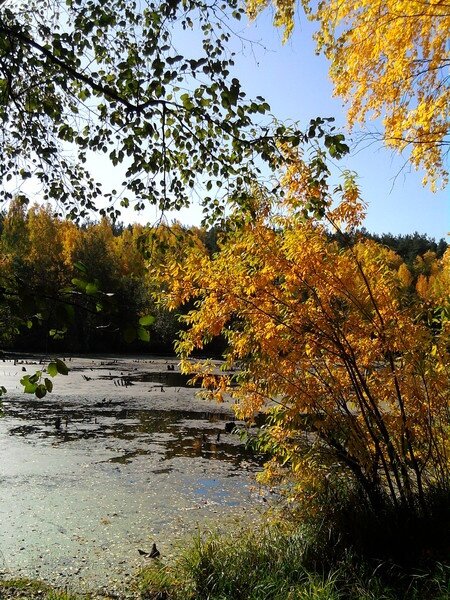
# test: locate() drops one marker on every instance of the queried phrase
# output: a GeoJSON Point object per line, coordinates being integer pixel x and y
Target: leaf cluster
{"type": "Point", "coordinates": [79, 77]}
{"type": "Point", "coordinates": [389, 60]}
{"type": "Point", "coordinates": [327, 340]}
{"type": "Point", "coordinates": [38, 384]}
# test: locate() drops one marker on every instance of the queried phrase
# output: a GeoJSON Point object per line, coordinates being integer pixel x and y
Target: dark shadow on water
{"type": "Point", "coordinates": [175, 433]}
{"type": "Point", "coordinates": [165, 378]}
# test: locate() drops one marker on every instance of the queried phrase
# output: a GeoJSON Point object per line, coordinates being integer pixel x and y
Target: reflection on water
{"type": "Point", "coordinates": [177, 432]}
{"type": "Point", "coordinates": [164, 378]}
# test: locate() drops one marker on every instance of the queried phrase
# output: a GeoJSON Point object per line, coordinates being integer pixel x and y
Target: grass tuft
{"type": "Point", "coordinates": [269, 564]}
{"type": "Point", "coordinates": [31, 589]}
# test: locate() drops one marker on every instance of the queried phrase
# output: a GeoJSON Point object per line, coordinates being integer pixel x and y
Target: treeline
{"type": "Point", "coordinates": [83, 288]}
{"type": "Point", "coordinates": [408, 246]}
{"type": "Point", "coordinates": [76, 288]}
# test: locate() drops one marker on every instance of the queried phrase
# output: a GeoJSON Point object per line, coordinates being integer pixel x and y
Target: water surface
{"type": "Point", "coordinates": [100, 469]}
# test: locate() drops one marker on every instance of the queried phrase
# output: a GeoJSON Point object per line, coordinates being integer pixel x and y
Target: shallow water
{"type": "Point", "coordinates": [93, 474]}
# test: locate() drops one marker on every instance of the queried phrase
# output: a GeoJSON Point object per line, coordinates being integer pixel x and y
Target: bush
{"type": "Point", "coordinates": [348, 359]}
{"type": "Point", "coordinates": [340, 522]}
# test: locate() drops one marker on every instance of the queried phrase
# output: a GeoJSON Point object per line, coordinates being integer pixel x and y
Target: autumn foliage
{"type": "Point", "coordinates": [389, 59]}
{"type": "Point", "coordinates": [63, 285]}
{"type": "Point", "coordinates": [350, 362]}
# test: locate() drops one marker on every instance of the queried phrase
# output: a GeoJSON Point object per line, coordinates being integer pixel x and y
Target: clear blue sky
{"type": "Point", "coordinates": [295, 82]}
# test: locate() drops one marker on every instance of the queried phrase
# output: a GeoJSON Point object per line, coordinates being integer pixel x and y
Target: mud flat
{"type": "Point", "coordinates": [121, 455]}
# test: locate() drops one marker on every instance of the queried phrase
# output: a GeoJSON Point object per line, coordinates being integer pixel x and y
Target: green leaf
{"type": "Point", "coordinates": [80, 283]}
{"type": "Point", "coordinates": [143, 334]}
{"type": "Point", "coordinates": [58, 334]}
{"type": "Point", "coordinates": [146, 320]}
{"type": "Point", "coordinates": [25, 380]}
{"type": "Point", "coordinates": [52, 369]}
{"type": "Point", "coordinates": [91, 289]}
{"type": "Point", "coordinates": [80, 266]}
{"type": "Point", "coordinates": [28, 387]}
{"type": "Point", "coordinates": [35, 377]}
{"type": "Point", "coordinates": [41, 390]}
{"type": "Point", "coordinates": [61, 367]}
{"type": "Point", "coordinates": [48, 384]}
{"type": "Point", "coordinates": [186, 101]}
{"type": "Point", "coordinates": [84, 94]}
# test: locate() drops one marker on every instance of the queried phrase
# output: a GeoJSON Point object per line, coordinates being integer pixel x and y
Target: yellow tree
{"type": "Point", "coordinates": [45, 253]}
{"type": "Point", "coordinates": [440, 288]}
{"type": "Point", "coordinates": [70, 235]}
{"type": "Point", "coordinates": [127, 253]}
{"type": "Point", "coordinates": [389, 59]}
{"type": "Point", "coordinates": [14, 246]}
{"type": "Point", "coordinates": [14, 238]}
{"type": "Point", "coordinates": [355, 381]}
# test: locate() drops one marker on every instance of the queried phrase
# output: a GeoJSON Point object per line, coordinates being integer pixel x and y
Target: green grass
{"type": "Point", "coordinates": [262, 564]}
{"type": "Point", "coordinates": [342, 551]}
{"type": "Point", "coordinates": [31, 588]}
{"type": "Point", "coordinates": [268, 565]}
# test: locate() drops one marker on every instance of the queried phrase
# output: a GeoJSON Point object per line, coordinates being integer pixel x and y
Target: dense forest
{"type": "Point", "coordinates": [48, 263]}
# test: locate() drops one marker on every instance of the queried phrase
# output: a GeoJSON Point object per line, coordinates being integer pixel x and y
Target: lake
{"type": "Point", "coordinates": [122, 454]}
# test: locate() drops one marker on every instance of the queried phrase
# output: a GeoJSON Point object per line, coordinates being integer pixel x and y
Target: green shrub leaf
{"type": "Point", "coordinates": [61, 367]}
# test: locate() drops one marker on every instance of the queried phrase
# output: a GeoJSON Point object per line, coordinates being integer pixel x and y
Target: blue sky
{"type": "Point", "coordinates": [295, 82]}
